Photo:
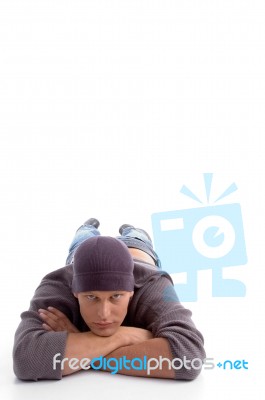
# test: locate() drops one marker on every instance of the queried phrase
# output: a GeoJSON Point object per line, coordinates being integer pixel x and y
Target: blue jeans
{"type": "Point", "coordinates": [132, 237]}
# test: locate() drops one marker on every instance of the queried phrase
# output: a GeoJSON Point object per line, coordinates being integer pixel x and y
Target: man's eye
{"type": "Point", "coordinates": [91, 297]}
{"type": "Point", "coordinates": [116, 296]}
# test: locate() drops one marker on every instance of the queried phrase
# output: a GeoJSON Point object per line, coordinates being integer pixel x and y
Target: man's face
{"type": "Point", "coordinates": [103, 311]}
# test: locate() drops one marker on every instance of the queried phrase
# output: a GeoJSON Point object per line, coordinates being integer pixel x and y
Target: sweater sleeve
{"type": "Point", "coordinates": [158, 309]}
{"type": "Point", "coordinates": [35, 348]}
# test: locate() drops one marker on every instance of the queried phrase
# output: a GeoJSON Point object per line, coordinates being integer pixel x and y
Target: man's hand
{"type": "Point", "coordinates": [89, 345]}
{"type": "Point", "coordinates": [56, 321]}
{"type": "Point", "coordinates": [133, 335]}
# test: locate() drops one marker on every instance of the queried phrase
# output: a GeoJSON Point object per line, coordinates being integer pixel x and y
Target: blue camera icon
{"type": "Point", "coordinates": [201, 238]}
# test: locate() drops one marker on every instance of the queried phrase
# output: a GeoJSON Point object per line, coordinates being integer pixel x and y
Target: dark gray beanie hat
{"type": "Point", "coordinates": [102, 263]}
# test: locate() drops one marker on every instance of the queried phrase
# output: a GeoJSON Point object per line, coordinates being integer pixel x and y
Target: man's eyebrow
{"type": "Point", "coordinates": [86, 293]}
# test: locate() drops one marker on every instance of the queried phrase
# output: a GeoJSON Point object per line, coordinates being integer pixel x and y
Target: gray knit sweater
{"type": "Point", "coordinates": [154, 306]}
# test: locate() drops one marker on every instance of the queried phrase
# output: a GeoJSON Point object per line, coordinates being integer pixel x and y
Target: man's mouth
{"type": "Point", "coordinates": [103, 325]}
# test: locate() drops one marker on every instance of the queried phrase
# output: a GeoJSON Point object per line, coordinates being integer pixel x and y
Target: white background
{"type": "Point", "coordinates": [107, 109]}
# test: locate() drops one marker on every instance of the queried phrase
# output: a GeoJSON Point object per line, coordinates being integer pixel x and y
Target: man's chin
{"type": "Point", "coordinates": [104, 332]}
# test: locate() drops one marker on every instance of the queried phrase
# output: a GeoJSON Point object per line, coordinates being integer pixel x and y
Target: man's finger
{"type": "Point", "coordinates": [57, 312]}
{"type": "Point", "coordinates": [56, 320]}
{"type": "Point", "coordinates": [54, 325]}
{"type": "Point", "coordinates": [49, 314]}
{"type": "Point", "coordinates": [47, 327]}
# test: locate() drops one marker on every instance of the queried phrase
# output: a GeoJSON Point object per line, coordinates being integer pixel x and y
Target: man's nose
{"type": "Point", "coordinates": [104, 311]}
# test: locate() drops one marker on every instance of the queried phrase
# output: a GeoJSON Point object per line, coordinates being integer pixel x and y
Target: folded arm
{"type": "Point", "coordinates": [154, 308]}
{"type": "Point", "coordinates": [127, 342]}
{"type": "Point", "coordinates": [47, 339]}
{"type": "Point", "coordinates": [153, 350]}
{"type": "Point", "coordinates": [88, 345]}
